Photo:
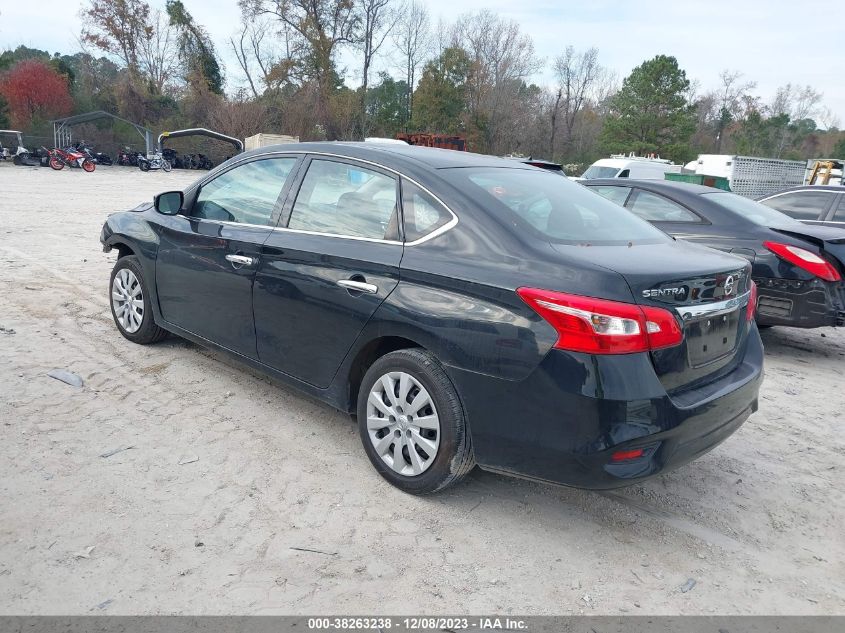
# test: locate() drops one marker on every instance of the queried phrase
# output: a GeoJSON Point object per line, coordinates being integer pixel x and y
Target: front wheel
{"type": "Point", "coordinates": [57, 164]}
{"type": "Point", "coordinates": [165, 165]}
{"type": "Point", "coordinates": [130, 303]}
{"type": "Point", "coordinates": [412, 423]}
{"type": "Point", "coordinates": [89, 165]}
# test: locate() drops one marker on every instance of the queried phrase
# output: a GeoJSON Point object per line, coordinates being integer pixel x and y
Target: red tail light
{"type": "Point", "coordinates": [752, 303]}
{"type": "Point", "coordinates": [624, 456]}
{"type": "Point", "coordinates": [598, 326]}
{"type": "Point", "coordinates": [805, 259]}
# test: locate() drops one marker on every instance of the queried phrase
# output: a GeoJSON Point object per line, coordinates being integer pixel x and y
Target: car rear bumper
{"type": "Point", "coordinates": [566, 420]}
{"type": "Point", "coordinates": [811, 304]}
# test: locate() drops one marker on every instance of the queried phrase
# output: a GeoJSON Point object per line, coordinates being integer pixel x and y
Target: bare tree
{"type": "Point", "coordinates": [323, 25]}
{"type": "Point", "coordinates": [828, 119]}
{"type": "Point", "coordinates": [269, 57]}
{"type": "Point", "coordinates": [117, 28]}
{"type": "Point", "coordinates": [412, 38]}
{"type": "Point", "coordinates": [576, 76]}
{"type": "Point", "coordinates": [794, 104]}
{"type": "Point", "coordinates": [502, 58]}
{"type": "Point", "coordinates": [158, 55]}
{"type": "Point", "coordinates": [729, 102]}
{"type": "Point", "coordinates": [377, 21]}
{"type": "Point", "coordinates": [242, 45]}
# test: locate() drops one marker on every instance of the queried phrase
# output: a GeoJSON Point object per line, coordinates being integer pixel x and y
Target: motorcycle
{"type": "Point", "coordinates": [176, 161]}
{"type": "Point", "coordinates": [98, 157]}
{"type": "Point", "coordinates": [127, 158]}
{"type": "Point", "coordinates": [201, 161]}
{"type": "Point", "coordinates": [70, 157]}
{"type": "Point", "coordinates": [153, 162]}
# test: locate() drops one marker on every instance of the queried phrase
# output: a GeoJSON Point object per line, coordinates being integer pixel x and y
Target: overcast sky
{"type": "Point", "coordinates": [773, 42]}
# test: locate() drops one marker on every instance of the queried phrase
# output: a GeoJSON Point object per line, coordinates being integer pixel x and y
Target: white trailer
{"type": "Point", "coordinates": [750, 176]}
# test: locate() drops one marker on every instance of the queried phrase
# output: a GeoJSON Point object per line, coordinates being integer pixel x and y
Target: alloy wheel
{"type": "Point", "coordinates": [402, 423]}
{"type": "Point", "coordinates": [127, 300]}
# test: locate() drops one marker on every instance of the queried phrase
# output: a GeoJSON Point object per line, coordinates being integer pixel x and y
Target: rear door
{"type": "Point", "coordinates": [207, 258]}
{"type": "Point", "coordinates": [329, 266]}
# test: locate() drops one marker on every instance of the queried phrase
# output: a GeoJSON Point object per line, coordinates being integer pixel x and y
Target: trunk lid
{"type": "Point", "coordinates": [707, 291]}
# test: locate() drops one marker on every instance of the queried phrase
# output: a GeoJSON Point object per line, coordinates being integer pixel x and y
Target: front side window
{"type": "Point", "coordinates": [246, 194]}
{"type": "Point", "coordinates": [654, 208]}
{"type": "Point", "coordinates": [422, 212]}
{"type": "Point", "coordinates": [552, 208]}
{"type": "Point", "coordinates": [342, 199]}
{"type": "Point", "coordinates": [801, 205]}
{"type": "Point", "coordinates": [615, 194]}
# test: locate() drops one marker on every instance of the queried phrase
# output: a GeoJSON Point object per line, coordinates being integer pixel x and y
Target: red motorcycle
{"type": "Point", "coordinates": [72, 158]}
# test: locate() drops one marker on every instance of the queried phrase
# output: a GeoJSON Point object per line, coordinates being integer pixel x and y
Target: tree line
{"type": "Point", "coordinates": [473, 77]}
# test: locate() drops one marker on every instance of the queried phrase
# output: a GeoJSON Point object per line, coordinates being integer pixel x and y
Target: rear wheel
{"type": "Point", "coordinates": [412, 424]}
{"type": "Point", "coordinates": [130, 303]}
{"type": "Point", "coordinates": [143, 165]}
{"type": "Point", "coordinates": [89, 165]}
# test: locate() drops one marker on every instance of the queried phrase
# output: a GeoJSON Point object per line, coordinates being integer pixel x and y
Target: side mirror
{"type": "Point", "coordinates": [169, 202]}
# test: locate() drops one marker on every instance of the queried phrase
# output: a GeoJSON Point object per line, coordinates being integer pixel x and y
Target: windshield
{"type": "Point", "coordinates": [554, 208]}
{"type": "Point", "coordinates": [594, 171]}
{"type": "Point", "coordinates": [753, 211]}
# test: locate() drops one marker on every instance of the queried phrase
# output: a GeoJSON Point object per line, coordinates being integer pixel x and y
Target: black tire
{"type": "Point", "coordinates": [454, 458]}
{"type": "Point", "coordinates": [148, 332]}
{"type": "Point", "coordinates": [143, 165]}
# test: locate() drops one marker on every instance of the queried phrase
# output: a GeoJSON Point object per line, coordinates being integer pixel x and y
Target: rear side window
{"type": "Point", "coordinates": [801, 205]}
{"type": "Point", "coordinates": [654, 208]}
{"type": "Point", "coordinates": [553, 208]}
{"type": "Point", "coordinates": [423, 214]}
{"type": "Point", "coordinates": [839, 216]}
{"type": "Point", "coordinates": [614, 194]}
{"type": "Point", "coordinates": [343, 199]}
{"type": "Point", "coordinates": [246, 194]}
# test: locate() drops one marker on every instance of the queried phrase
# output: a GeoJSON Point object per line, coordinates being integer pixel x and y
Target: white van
{"type": "Point", "coordinates": [621, 166]}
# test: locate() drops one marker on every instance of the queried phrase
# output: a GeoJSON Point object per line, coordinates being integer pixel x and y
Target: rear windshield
{"type": "Point", "coordinates": [600, 172]}
{"type": "Point", "coordinates": [554, 208]}
{"type": "Point", "coordinates": [751, 210]}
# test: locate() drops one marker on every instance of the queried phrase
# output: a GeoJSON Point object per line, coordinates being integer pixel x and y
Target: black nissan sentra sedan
{"type": "Point", "coordinates": [798, 268]}
{"type": "Point", "coordinates": [468, 309]}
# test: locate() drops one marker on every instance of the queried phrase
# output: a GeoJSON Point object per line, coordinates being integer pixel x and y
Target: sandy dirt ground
{"type": "Point", "coordinates": [228, 481]}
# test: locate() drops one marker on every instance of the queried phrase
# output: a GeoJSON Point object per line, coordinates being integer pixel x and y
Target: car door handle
{"type": "Point", "coordinates": [358, 286]}
{"type": "Point", "coordinates": [243, 260]}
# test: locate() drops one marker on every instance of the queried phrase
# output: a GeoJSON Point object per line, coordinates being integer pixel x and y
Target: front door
{"type": "Point", "coordinates": [322, 277]}
{"type": "Point", "coordinates": [207, 259]}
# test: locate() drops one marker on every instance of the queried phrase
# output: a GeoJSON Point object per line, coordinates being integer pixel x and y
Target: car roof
{"type": "Point", "coordinates": [834, 188]}
{"type": "Point", "coordinates": [656, 185]}
{"type": "Point", "coordinates": [391, 154]}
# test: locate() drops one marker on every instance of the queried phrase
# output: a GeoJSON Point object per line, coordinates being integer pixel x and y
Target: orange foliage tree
{"type": "Point", "coordinates": [34, 90]}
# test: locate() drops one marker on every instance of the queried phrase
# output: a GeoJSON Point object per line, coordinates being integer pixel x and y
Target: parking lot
{"type": "Point", "coordinates": [176, 481]}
